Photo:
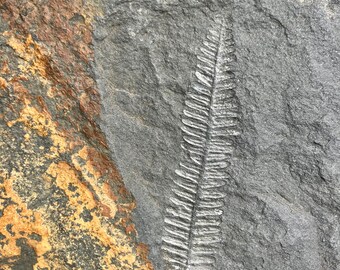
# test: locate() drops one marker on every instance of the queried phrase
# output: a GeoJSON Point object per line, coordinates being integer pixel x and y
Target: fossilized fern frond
{"type": "Point", "coordinates": [210, 121]}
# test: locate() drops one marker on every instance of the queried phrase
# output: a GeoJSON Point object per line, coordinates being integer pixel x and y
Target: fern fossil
{"type": "Point", "coordinates": [210, 121]}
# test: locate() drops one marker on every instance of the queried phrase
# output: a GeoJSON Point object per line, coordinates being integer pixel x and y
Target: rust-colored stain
{"type": "Point", "coordinates": [63, 204]}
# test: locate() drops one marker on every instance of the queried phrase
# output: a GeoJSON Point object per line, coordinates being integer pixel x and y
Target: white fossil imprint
{"type": "Point", "coordinates": [210, 121]}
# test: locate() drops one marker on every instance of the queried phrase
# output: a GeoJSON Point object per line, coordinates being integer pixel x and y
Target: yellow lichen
{"type": "Point", "coordinates": [81, 197]}
{"type": "Point", "coordinates": [82, 163]}
{"type": "Point", "coordinates": [23, 222]}
{"type": "Point", "coordinates": [42, 123]}
{"type": "Point", "coordinates": [34, 61]}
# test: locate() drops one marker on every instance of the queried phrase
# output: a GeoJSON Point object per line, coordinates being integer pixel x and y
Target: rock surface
{"type": "Point", "coordinates": [63, 204]}
{"type": "Point", "coordinates": [282, 202]}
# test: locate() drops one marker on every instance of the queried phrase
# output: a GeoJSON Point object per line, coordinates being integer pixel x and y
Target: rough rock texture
{"type": "Point", "coordinates": [282, 202]}
{"type": "Point", "coordinates": [63, 204]}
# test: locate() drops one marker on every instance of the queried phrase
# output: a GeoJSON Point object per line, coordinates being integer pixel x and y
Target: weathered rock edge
{"type": "Point", "coordinates": [63, 204]}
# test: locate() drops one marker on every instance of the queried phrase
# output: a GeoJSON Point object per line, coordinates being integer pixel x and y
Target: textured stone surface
{"type": "Point", "coordinates": [282, 204]}
{"type": "Point", "coordinates": [63, 204]}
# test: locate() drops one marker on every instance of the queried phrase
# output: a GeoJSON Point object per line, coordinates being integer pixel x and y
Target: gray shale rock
{"type": "Point", "coordinates": [282, 203]}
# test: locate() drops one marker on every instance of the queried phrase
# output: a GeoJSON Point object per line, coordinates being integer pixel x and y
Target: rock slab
{"type": "Point", "coordinates": [282, 200]}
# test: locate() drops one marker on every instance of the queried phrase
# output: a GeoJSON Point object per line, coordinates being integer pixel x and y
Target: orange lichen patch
{"type": "Point", "coordinates": [86, 161]}
{"type": "Point", "coordinates": [3, 83]}
{"type": "Point", "coordinates": [81, 197]}
{"type": "Point", "coordinates": [42, 123]}
{"type": "Point", "coordinates": [65, 176]}
{"type": "Point", "coordinates": [35, 61]}
{"type": "Point", "coordinates": [19, 222]}
{"type": "Point", "coordinates": [109, 192]}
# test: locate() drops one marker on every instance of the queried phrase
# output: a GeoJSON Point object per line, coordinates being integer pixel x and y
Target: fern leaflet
{"type": "Point", "coordinates": [210, 121]}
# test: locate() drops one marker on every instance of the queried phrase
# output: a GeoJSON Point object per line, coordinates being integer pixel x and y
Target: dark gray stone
{"type": "Point", "coordinates": [282, 204]}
